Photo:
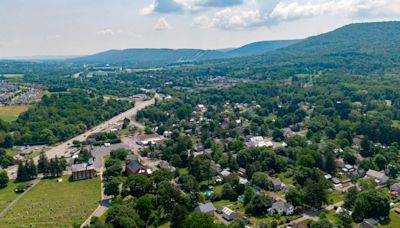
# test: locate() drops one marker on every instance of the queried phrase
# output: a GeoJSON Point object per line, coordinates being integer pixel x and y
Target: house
{"type": "Point", "coordinates": [339, 163]}
{"type": "Point", "coordinates": [257, 141]}
{"type": "Point", "coordinates": [228, 214]}
{"type": "Point", "coordinates": [243, 181]}
{"type": "Point", "coordinates": [165, 165]}
{"type": "Point", "coordinates": [201, 108]}
{"type": "Point", "coordinates": [335, 180]}
{"type": "Point", "coordinates": [133, 167]}
{"type": "Point", "coordinates": [368, 223]}
{"type": "Point", "coordinates": [395, 189]}
{"type": "Point", "coordinates": [207, 208]}
{"type": "Point", "coordinates": [225, 172]}
{"type": "Point", "coordinates": [83, 171]}
{"type": "Point", "coordinates": [379, 177]}
{"type": "Point", "coordinates": [277, 184]}
{"type": "Point", "coordinates": [242, 172]}
{"type": "Point", "coordinates": [282, 208]}
{"type": "Point", "coordinates": [152, 139]}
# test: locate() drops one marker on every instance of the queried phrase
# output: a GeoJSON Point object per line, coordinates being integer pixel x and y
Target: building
{"type": "Point", "coordinates": [228, 214]}
{"type": "Point", "coordinates": [368, 223]}
{"type": "Point", "coordinates": [395, 189]}
{"type": "Point", "coordinates": [83, 171]}
{"type": "Point", "coordinates": [152, 139]}
{"type": "Point", "coordinates": [379, 177]}
{"type": "Point", "coordinates": [207, 208]}
{"type": "Point", "coordinates": [277, 184]}
{"type": "Point", "coordinates": [282, 208]}
{"type": "Point", "coordinates": [133, 167]}
{"type": "Point", "coordinates": [257, 141]}
{"type": "Point", "coordinates": [165, 165]}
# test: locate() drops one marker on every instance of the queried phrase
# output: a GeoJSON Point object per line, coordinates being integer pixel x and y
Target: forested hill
{"type": "Point", "coordinates": [262, 47]}
{"type": "Point", "coordinates": [154, 57]}
{"type": "Point", "coordinates": [359, 48]}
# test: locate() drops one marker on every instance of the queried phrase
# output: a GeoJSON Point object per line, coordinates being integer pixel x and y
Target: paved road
{"type": "Point", "coordinates": [61, 149]}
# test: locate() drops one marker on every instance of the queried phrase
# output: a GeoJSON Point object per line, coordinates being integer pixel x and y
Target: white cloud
{"type": "Point", "coordinates": [187, 6]}
{"type": "Point", "coordinates": [162, 24]}
{"type": "Point", "coordinates": [253, 15]}
{"type": "Point", "coordinates": [105, 32]}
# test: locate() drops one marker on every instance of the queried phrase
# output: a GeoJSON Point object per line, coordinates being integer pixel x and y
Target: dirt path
{"type": "Point", "coordinates": [4, 212]}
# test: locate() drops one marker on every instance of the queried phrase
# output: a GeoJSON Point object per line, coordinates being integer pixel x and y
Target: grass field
{"type": "Point", "coordinates": [335, 197]}
{"type": "Point", "coordinates": [7, 195]}
{"type": "Point", "coordinates": [12, 152]}
{"type": "Point", "coordinates": [11, 113]}
{"type": "Point", "coordinates": [55, 204]}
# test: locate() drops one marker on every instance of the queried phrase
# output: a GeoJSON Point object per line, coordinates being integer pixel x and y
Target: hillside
{"type": "Point", "coordinates": [149, 57]}
{"type": "Point", "coordinates": [262, 47]}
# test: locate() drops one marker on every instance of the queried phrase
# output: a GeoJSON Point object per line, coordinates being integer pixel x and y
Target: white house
{"type": "Point", "coordinates": [151, 139]}
{"type": "Point", "coordinates": [257, 141]}
{"type": "Point", "coordinates": [282, 208]}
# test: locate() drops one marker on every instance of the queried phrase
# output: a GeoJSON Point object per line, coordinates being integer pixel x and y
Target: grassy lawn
{"type": "Point", "coordinates": [268, 219]}
{"type": "Point", "coordinates": [331, 215]}
{"type": "Point", "coordinates": [183, 171]}
{"type": "Point", "coordinates": [7, 195]}
{"type": "Point", "coordinates": [393, 222]}
{"type": "Point", "coordinates": [396, 123]}
{"type": "Point", "coordinates": [12, 152]}
{"type": "Point", "coordinates": [285, 178]}
{"type": "Point", "coordinates": [222, 203]}
{"type": "Point", "coordinates": [335, 197]}
{"type": "Point", "coordinates": [11, 113]}
{"type": "Point", "coordinates": [55, 204]}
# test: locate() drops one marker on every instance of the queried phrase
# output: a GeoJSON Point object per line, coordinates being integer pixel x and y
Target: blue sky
{"type": "Point", "coordinates": [75, 27]}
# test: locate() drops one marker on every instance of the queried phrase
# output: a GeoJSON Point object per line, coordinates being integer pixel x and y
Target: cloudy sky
{"type": "Point", "coordinates": [75, 27]}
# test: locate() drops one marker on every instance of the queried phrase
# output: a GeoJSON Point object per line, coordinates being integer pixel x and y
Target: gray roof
{"type": "Point", "coordinates": [206, 208]}
{"type": "Point", "coordinates": [81, 167]}
{"type": "Point", "coordinates": [134, 166]}
{"type": "Point", "coordinates": [280, 205]}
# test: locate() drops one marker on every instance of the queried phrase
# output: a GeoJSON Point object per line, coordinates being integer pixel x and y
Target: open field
{"type": "Point", "coordinates": [11, 113]}
{"type": "Point", "coordinates": [55, 204]}
{"type": "Point", "coordinates": [7, 195]}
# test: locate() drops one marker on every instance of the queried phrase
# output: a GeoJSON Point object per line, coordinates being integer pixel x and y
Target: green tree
{"type": "Point", "coordinates": [111, 187]}
{"type": "Point", "coordinates": [315, 193]}
{"type": "Point", "coordinates": [198, 220]}
{"type": "Point", "coordinates": [228, 192]}
{"type": "Point", "coordinates": [295, 197]}
{"type": "Point", "coordinates": [259, 205]}
{"type": "Point", "coordinates": [371, 204]}
{"type": "Point", "coordinates": [3, 179]}
{"type": "Point", "coordinates": [262, 180]}
{"type": "Point", "coordinates": [178, 216]}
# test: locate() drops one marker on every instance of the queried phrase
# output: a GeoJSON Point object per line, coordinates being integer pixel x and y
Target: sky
{"type": "Point", "coordinates": [79, 27]}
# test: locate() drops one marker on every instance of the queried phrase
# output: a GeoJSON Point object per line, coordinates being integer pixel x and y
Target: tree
{"type": "Point", "coordinates": [138, 185]}
{"type": "Point", "coordinates": [22, 174]}
{"type": "Point", "coordinates": [3, 179]}
{"type": "Point", "coordinates": [262, 180]}
{"type": "Point", "coordinates": [120, 154]}
{"type": "Point", "coordinates": [237, 223]}
{"type": "Point", "coordinates": [161, 175]}
{"type": "Point", "coordinates": [248, 195]}
{"type": "Point", "coordinates": [322, 223]}
{"type": "Point", "coordinates": [178, 216]}
{"type": "Point", "coordinates": [122, 216]}
{"type": "Point", "coordinates": [315, 193]}
{"type": "Point", "coordinates": [350, 197]}
{"type": "Point", "coordinates": [345, 219]}
{"type": "Point", "coordinates": [295, 197]}
{"type": "Point", "coordinates": [43, 164]}
{"type": "Point", "coordinates": [366, 147]}
{"type": "Point", "coordinates": [228, 192]}
{"type": "Point", "coordinates": [259, 204]}
{"type": "Point", "coordinates": [198, 220]}
{"type": "Point", "coordinates": [144, 206]}
{"type": "Point", "coordinates": [277, 135]}
{"type": "Point", "coordinates": [111, 187]}
{"type": "Point", "coordinates": [8, 141]}
{"type": "Point", "coordinates": [329, 163]}
{"type": "Point", "coordinates": [371, 204]}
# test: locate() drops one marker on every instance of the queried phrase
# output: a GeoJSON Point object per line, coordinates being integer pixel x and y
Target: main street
{"type": "Point", "coordinates": [60, 149]}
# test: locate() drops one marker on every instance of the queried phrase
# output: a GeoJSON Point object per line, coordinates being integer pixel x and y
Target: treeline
{"type": "Point", "coordinates": [59, 117]}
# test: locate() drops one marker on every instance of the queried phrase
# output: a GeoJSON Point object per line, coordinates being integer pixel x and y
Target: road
{"type": "Point", "coordinates": [60, 149]}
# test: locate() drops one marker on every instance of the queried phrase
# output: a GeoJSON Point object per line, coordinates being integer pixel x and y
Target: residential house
{"type": "Point", "coordinates": [368, 223]}
{"type": "Point", "coordinates": [242, 172]}
{"type": "Point", "coordinates": [379, 177]}
{"type": "Point", "coordinates": [228, 214]}
{"type": "Point", "coordinates": [83, 171]}
{"type": "Point", "coordinates": [282, 208]}
{"type": "Point", "coordinates": [395, 189]}
{"type": "Point", "coordinates": [133, 167]}
{"type": "Point", "coordinates": [165, 165]}
{"type": "Point", "coordinates": [207, 208]}
{"type": "Point", "coordinates": [277, 184]}
{"type": "Point", "coordinates": [257, 141]}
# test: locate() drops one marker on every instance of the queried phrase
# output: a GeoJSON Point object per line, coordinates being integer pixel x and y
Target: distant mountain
{"type": "Point", "coordinates": [152, 57]}
{"type": "Point", "coordinates": [261, 47]}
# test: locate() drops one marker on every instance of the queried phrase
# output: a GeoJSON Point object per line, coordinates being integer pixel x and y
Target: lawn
{"type": "Point", "coordinates": [12, 152]}
{"type": "Point", "coordinates": [183, 171]}
{"type": "Point", "coordinates": [335, 197]}
{"type": "Point", "coordinates": [396, 123]}
{"type": "Point", "coordinates": [11, 113]}
{"type": "Point", "coordinates": [7, 195]}
{"type": "Point", "coordinates": [55, 204]}
{"type": "Point", "coordinates": [394, 220]}
{"type": "Point", "coordinates": [331, 215]}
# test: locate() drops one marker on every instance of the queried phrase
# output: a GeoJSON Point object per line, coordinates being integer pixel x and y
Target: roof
{"type": "Point", "coordinates": [375, 174]}
{"type": "Point", "coordinates": [395, 187]}
{"type": "Point", "coordinates": [227, 211]}
{"type": "Point", "coordinates": [148, 137]}
{"type": "Point", "coordinates": [134, 166]}
{"type": "Point", "coordinates": [81, 167]}
{"type": "Point", "coordinates": [276, 181]}
{"type": "Point", "coordinates": [280, 205]}
{"type": "Point", "coordinates": [206, 208]}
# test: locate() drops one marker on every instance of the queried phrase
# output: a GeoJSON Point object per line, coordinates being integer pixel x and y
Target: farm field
{"type": "Point", "coordinates": [55, 204]}
{"type": "Point", "coordinates": [11, 113]}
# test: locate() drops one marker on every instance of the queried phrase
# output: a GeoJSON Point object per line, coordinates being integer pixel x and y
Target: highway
{"type": "Point", "coordinates": [60, 149]}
